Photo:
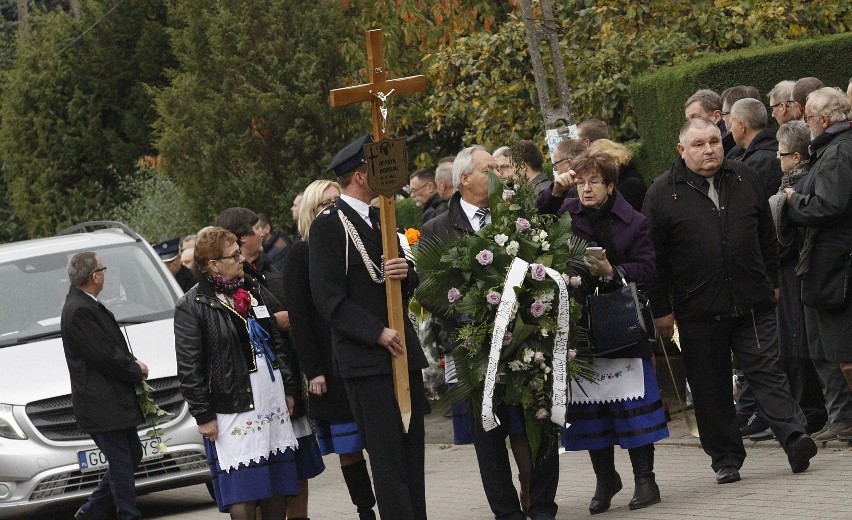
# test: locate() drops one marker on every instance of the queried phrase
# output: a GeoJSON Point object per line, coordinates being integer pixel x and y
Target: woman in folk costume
{"type": "Point", "coordinates": [629, 417]}
{"type": "Point", "coordinates": [236, 383]}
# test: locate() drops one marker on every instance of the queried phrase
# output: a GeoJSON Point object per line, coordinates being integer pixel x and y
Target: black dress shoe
{"type": "Point", "coordinates": [727, 475]}
{"type": "Point", "coordinates": [800, 453]}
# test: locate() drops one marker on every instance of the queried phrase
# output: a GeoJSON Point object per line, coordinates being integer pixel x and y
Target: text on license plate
{"type": "Point", "coordinates": [93, 460]}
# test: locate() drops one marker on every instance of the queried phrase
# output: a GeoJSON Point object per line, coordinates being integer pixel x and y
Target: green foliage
{"type": "Point", "coordinates": [75, 116]}
{"type": "Point", "coordinates": [155, 206]}
{"type": "Point", "coordinates": [245, 120]}
{"type": "Point", "coordinates": [662, 94]}
{"type": "Point", "coordinates": [408, 214]}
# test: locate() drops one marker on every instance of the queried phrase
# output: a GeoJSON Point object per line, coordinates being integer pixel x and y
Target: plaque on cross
{"type": "Point", "coordinates": [377, 92]}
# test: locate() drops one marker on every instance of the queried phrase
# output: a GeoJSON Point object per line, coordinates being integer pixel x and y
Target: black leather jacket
{"type": "Point", "coordinates": [214, 356]}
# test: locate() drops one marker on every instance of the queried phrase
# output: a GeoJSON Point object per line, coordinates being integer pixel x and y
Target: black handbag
{"type": "Point", "coordinates": [619, 319]}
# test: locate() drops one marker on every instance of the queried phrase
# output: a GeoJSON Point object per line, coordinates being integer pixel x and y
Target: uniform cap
{"type": "Point", "coordinates": [168, 250]}
{"type": "Point", "coordinates": [351, 157]}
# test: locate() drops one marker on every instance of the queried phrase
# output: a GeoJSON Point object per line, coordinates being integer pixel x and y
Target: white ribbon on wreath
{"type": "Point", "coordinates": [505, 311]}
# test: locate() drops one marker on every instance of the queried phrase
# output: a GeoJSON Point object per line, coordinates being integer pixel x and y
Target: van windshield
{"type": "Point", "coordinates": [135, 290]}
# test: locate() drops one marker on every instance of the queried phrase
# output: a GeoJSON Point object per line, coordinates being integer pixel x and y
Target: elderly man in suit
{"type": "Point", "coordinates": [347, 275]}
{"type": "Point", "coordinates": [468, 212]}
{"type": "Point", "coordinates": [104, 375]}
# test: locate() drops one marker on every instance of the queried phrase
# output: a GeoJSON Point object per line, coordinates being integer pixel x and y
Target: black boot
{"type": "Point", "coordinates": [360, 489]}
{"type": "Point", "coordinates": [646, 493]}
{"type": "Point", "coordinates": [608, 480]}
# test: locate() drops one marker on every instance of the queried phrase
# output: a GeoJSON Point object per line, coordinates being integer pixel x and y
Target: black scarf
{"type": "Point", "coordinates": [600, 220]}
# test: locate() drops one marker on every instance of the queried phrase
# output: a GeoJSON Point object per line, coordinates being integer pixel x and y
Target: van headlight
{"type": "Point", "coordinates": [8, 425]}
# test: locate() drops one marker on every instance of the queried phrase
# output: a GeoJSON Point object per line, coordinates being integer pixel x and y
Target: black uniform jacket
{"type": "Point", "coordinates": [214, 355]}
{"type": "Point", "coordinates": [350, 301]}
{"type": "Point", "coordinates": [711, 262]}
{"type": "Point", "coordinates": [103, 372]}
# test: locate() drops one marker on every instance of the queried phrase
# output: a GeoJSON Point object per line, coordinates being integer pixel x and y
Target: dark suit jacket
{"type": "Point", "coordinates": [103, 372]}
{"type": "Point", "coordinates": [449, 225]}
{"type": "Point", "coordinates": [350, 301]}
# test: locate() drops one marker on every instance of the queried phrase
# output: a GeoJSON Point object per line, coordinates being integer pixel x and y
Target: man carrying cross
{"type": "Point", "coordinates": [348, 273]}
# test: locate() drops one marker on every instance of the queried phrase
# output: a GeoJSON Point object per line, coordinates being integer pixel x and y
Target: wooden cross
{"type": "Point", "coordinates": [376, 92]}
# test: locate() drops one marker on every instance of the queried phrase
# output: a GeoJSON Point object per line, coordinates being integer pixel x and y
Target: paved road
{"type": "Point", "coordinates": [768, 489]}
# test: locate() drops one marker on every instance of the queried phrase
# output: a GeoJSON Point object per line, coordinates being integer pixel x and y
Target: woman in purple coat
{"type": "Point", "coordinates": [629, 417]}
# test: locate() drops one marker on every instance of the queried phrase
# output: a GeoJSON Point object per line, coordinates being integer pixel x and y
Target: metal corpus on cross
{"type": "Point", "coordinates": [377, 92]}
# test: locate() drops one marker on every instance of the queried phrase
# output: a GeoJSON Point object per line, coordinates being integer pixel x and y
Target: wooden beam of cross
{"type": "Point", "coordinates": [377, 91]}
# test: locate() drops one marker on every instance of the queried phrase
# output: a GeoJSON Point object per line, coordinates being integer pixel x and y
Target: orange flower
{"type": "Point", "coordinates": [412, 235]}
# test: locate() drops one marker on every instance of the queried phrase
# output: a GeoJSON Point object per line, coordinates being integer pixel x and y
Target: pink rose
{"type": "Point", "coordinates": [538, 308]}
{"type": "Point", "coordinates": [522, 224]}
{"type": "Point", "coordinates": [538, 272]}
{"type": "Point", "coordinates": [453, 295]}
{"type": "Point", "coordinates": [485, 257]}
{"type": "Point", "coordinates": [575, 282]}
{"type": "Point", "coordinates": [538, 358]}
{"type": "Point", "coordinates": [507, 338]}
{"type": "Point", "coordinates": [493, 297]}
{"type": "Point", "coordinates": [572, 353]}
{"type": "Point", "coordinates": [508, 194]}
{"type": "Point", "coordinates": [542, 414]}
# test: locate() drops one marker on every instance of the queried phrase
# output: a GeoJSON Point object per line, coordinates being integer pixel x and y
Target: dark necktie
{"type": "Point", "coordinates": [481, 214]}
{"type": "Point", "coordinates": [374, 219]}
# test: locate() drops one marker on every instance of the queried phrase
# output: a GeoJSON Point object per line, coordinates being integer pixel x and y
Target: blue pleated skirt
{"type": "Point", "coordinates": [629, 424]}
{"type": "Point", "coordinates": [272, 477]}
{"type": "Point", "coordinates": [463, 423]}
{"type": "Point", "coordinates": [309, 462]}
{"type": "Point", "coordinates": [338, 437]}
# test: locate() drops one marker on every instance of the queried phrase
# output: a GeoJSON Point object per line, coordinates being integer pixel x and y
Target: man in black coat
{"type": "Point", "coordinates": [750, 128]}
{"type": "Point", "coordinates": [717, 266]}
{"type": "Point", "coordinates": [104, 375]}
{"type": "Point", "coordinates": [467, 213]}
{"type": "Point", "coordinates": [169, 253]}
{"type": "Point", "coordinates": [347, 275]}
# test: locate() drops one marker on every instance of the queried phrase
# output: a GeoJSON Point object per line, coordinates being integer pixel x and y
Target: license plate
{"type": "Point", "coordinates": [94, 460]}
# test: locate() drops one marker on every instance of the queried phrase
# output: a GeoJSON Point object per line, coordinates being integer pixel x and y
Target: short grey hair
{"type": "Point", "coordinates": [795, 136]}
{"type": "Point", "coordinates": [752, 111]}
{"type": "Point", "coordinates": [503, 151]}
{"type": "Point", "coordinates": [444, 172]}
{"type": "Point", "coordinates": [464, 163]}
{"type": "Point", "coordinates": [81, 267]}
{"type": "Point", "coordinates": [693, 123]}
{"type": "Point", "coordinates": [831, 102]}
{"type": "Point", "coordinates": [782, 92]}
{"type": "Point", "coordinates": [709, 100]}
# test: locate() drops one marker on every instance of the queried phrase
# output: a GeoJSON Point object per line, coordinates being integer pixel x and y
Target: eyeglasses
{"type": "Point", "coordinates": [503, 167]}
{"type": "Point", "coordinates": [778, 104]}
{"type": "Point", "coordinates": [102, 269]}
{"type": "Point", "coordinates": [785, 154]}
{"type": "Point", "coordinates": [326, 203]}
{"type": "Point", "coordinates": [811, 116]}
{"type": "Point", "coordinates": [594, 183]}
{"type": "Point", "coordinates": [415, 190]}
{"type": "Point", "coordinates": [235, 257]}
{"type": "Point", "coordinates": [725, 113]}
{"type": "Point", "coordinates": [556, 163]}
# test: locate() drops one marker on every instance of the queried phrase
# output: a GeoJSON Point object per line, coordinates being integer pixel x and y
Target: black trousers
{"type": "Point", "coordinates": [496, 473]}
{"type": "Point", "coordinates": [707, 348]}
{"type": "Point", "coordinates": [396, 458]}
{"type": "Point", "coordinates": [116, 492]}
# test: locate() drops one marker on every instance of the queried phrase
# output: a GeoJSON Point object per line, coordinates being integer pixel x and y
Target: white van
{"type": "Point", "coordinates": [45, 461]}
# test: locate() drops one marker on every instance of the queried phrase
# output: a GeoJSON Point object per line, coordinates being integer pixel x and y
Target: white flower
{"type": "Point", "coordinates": [546, 369]}
{"type": "Point", "coordinates": [516, 366]}
{"type": "Point", "coordinates": [575, 281]}
{"type": "Point", "coordinates": [512, 248]}
{"type": "Point", "coordinates": [547, 297]}
{"type": "Point", "coordinates": [544, 332]}
{"type": "Point", "coordinates": [528, 355]}
{"type": "Point", "coordinates": [162, 448]}
{"type": "Point", "coordinates": [545, 246]}
{"type": "Point", "coordinates": [508, 194]}
{"type": "Point", "coordinates": [542, 234]}
{"type": "Point", "coordinates": [542, 414]}
{"type": "Point", "coordinates": [501, 239]}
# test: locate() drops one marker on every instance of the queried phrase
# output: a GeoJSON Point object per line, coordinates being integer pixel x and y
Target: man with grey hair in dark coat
{"type": "Point", "coordinates": [104, 375]}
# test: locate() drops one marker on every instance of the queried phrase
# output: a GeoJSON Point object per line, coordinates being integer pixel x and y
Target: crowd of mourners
{"type": "Point", "coordinates": [744, 247]}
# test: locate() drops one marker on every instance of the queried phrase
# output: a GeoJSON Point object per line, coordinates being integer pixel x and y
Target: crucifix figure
{"type": "Point", "coordinates": [377, 92]}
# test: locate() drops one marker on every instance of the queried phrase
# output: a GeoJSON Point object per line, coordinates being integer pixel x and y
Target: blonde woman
{"type": "Point", "coordinates": [328, 402]}
{"type": "Point", "coordinates": [631, 185]}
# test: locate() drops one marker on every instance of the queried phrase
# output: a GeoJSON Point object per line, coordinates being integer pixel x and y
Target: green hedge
{"type": "Point", "coordinates": [658, 97]}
